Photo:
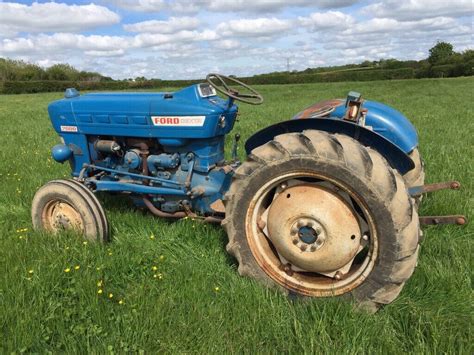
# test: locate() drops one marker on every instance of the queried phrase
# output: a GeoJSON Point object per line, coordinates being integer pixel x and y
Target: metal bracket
{"type": "Point", "coordinates": [416, 191]}
{"type": "Point", "coordinates": [436, 220]}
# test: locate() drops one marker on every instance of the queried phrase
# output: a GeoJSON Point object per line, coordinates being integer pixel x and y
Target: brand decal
{"type": "Point", "coordinates": [181, 121]}
{"type": "Point", "coordinates": [68, 128]}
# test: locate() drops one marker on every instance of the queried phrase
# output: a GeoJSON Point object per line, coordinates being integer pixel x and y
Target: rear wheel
{"type": "Point", "coordinates": [321, 215]}
{"type": "Point", "coordinates": [68, 205]}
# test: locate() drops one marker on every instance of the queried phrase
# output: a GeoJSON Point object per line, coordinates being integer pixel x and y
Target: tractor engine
{"type": "Point", "coordinates": [190, 178]}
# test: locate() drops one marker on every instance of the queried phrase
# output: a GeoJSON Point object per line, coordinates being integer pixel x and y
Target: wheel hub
{"type": "Point", "coordinates": [314, 228]}
{"type": "Point", "coordinates": [62, 216]}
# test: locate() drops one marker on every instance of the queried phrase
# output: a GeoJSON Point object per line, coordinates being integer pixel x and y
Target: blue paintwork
{"type": "Point", "coordinates": [61, 153]}
{"type": "Point", "coordinates": [388, 122]}
{"type": "Point", "coordinates": [394, 155]}
{"type": "Point", "coordinates": [120, 114]}
{"type": "Point", "coordinates": [186, 164]}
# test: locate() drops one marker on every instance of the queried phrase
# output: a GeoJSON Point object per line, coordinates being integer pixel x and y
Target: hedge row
{"type": "Point", "coordinates": [448, 70]}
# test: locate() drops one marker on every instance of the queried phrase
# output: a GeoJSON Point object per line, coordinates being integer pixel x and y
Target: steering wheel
{"type": "Point", "coordinates": [218, 82]}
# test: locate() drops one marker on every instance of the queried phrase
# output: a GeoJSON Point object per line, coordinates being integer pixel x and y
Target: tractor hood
{"type": "Point", "coordinates": [193, 112]}
{"type": "Point", "coordinates": [185, 102]}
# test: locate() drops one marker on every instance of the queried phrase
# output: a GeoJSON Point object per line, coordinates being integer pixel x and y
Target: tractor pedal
{"type": "Point", "coordinates": [436, 220]}
{"type": "Point", "coordinates": [447, 185]}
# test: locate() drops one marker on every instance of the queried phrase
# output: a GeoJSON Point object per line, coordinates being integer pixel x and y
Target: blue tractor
{"type": "Point", "coordinates": [324, 205]}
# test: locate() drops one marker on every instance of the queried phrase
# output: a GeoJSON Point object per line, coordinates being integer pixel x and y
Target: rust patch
{"type": "Point", "coordinates": [218, 206]}
{"type": "Point", "coordinates": [320, 109]}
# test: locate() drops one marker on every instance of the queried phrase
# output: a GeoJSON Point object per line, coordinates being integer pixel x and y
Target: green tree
{"type": "Point", "coordinates": [62, 72]}
{"type": "Point", "coordinates": [440, 52]}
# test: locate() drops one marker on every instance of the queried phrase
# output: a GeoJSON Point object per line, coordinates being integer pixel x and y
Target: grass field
{"type": "Point", "coordinates": [170, 286]}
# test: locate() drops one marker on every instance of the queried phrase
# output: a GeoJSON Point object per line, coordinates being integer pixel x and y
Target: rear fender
{"type": "Point", "coordinates": [396, 157]}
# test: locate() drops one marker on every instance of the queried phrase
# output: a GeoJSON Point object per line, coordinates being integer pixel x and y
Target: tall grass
{"type": "Point", "coordinates": [170, 286]}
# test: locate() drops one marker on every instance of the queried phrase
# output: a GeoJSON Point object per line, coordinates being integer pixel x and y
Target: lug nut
{"type": "Point", "coordinates": [303, 247]}
{"type": "Point", "coordinates": [295, 241]}
{"type": "Point", "coordinates": [338, 275]}
{"type": "Point", "coordinates": [313, 248]}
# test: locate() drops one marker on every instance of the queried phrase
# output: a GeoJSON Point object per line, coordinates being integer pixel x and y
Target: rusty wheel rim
{"type": "Point", "coordinates": [59, 215]}
{"type": "Point", "coordinates": [281, 268]}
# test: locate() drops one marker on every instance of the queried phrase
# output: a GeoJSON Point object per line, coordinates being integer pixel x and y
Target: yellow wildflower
{"type": "Point", "coordinates": [84, 243]}
{"type": "Point", "coordinates": [162, 257]}
{"type": "Point", "coordinates": [121, 302]}
{"type": "Point", "coordinates": [154, 268]}
{"type": "Point", "coordinates": [30, 271]}
{"type": "Point", "coordinates": [67, 269]}
{"type": "Point", "coordinates": [77, 267]}
{"type": "Point", "coordinates": [99, 284]}
{"type": "Point", "coordinates": [99, 291]}
{"type": "Point", "coordinates": [152, 237]}
{"type": "Point", "coordinates": [216, 289]}
{"type": "Point", "coordinates": [111, 295]}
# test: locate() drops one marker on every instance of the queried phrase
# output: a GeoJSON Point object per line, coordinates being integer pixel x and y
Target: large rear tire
{"type": "Point", "coordinates": [360, 238]}
{"type": "Point", "coordinates": [68, 205]}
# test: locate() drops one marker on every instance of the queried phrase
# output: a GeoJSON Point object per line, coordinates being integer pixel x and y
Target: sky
{"type": "Point", "coordinates": [182, 39]}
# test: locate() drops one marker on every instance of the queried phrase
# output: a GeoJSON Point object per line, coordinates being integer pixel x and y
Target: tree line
{"type": "Point", "coordinates": [17, 76]}
{"type": "Point", "coordinates": [19, 70]}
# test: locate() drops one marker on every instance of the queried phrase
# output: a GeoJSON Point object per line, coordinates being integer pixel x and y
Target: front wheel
{"type": "Point", "coordinates": [62, 205]}
{"type": "Point", "coordinates": [321, 215]}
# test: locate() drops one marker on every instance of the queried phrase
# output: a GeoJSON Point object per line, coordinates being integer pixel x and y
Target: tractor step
{"type": "Point", "coordinates": [436, 220]}
{"type": "Point", "coordinates": [416, 191]}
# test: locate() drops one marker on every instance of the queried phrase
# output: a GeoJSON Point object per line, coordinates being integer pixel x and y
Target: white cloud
{"type": "Point", "coordinates": [253, 6]}
{"type": "Point", "coordinates": [235, 37]}
{"type": "Point", "coordinates": [419, 9]}
{"type": "Point", "coordinates": [323, 20]}
{"type": "Point", "coordinates": [150, 40]}
{"type": "Point", "coordinates": [273, 5]}
{"type": "Point", "coordinates": [111, 53]}
{"type": "Point", "coordinates": [259, 27]}
{"type": "Point", "coordinates": [140, 5]}
{"type": "Point", "coordinates": [51, 17]}
{"type": "Point", "coordinates": [385, 25]}
{"type": "Point", "coordinates": [97, 45]}
{"type": "Point", "coordinates": [172, 25]}
{"type": "Point", "coordinates": [227, 44]}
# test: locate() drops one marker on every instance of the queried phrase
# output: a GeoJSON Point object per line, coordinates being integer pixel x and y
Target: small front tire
{"type": "Point", "coordinates": [62, 205]}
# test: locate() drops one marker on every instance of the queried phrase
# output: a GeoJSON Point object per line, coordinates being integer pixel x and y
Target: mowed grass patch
{"type": "Point", "coordinates": [170, 286]}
